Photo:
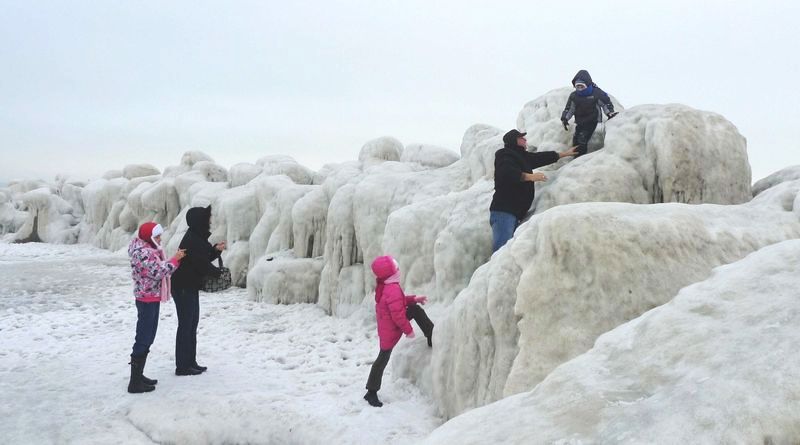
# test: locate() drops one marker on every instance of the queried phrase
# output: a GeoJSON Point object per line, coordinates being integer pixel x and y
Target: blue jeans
{"type": "Point", "coordinates": [146, 326]}
{"type": "Point", "coordinates": [503, 226]}
{"type": "Point", "coordinates": [187, 305]}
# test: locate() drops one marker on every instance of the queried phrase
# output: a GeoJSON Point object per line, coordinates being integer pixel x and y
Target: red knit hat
{"type": "Point", "coordinates": [150, 230]}
{"type": "Point", "coordinates": [384, 267]}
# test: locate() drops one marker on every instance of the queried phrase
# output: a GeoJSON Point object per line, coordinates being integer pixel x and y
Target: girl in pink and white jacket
{"type": "Point", "coordinates": [393, 309]}
{"type": "Point", "coordinates": [151, 285]}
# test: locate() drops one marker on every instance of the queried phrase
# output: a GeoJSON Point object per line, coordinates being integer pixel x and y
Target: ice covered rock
{"type": "Point", "coordinates": [285, 280]}
{"type": "Point", "coordinates": [286, 165]}
{"type": "Point", "coordinates": [211, 171]}
{"type": "Point", "coordinates": [24, 186]}
{"type": "Point", "coordinates": [134, 171]}
{"type": "Point", "coordinates": [379, 150]}
{"type": "Point", "coordinates": [98, 198]}
{"type": "Point", "coordinates": [443, 199]}
{"type": "Point", "coordinates": [428, 155]}
{"type": "Point", "coordinates": [653, 154]}
{"type": "Point", "coordinates": [112, 174]}
{"type": "Point", "coordinates": [576, 271]}
{"type": "Point", "coordinates": [11, 217]}
{"type": "Point", "coordinates": [49, 219]}
{"type": "Point", "coordinates": [708, 367]}
{"type": "Point", "coordinates": [783, 175]}
{"type": "Point", "coordinates": [242, 173]}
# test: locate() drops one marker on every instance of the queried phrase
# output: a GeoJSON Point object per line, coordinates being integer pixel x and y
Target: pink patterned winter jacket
{"type": "Point", "coordinates": [150, 272]}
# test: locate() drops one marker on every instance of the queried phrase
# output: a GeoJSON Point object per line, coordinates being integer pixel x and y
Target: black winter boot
{"type": "Point", "coordinates": [199, 368]}
{"type": "Point", "coordinates": [136, 384]}
{"type": "Point", "coordinates": [151, 382]}
{"type": "Point", "coordinates": [187, 371]}
{"type": "Point", "coordinates": [372, 398]}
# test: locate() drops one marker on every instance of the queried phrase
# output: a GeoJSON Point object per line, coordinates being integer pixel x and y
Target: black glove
{"type": "Point", "coordinates": [566, 125]}
{"type": "Point", "coordinates": [612, 114]}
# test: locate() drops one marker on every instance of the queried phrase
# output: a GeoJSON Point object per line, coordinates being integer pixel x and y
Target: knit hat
{"type": "Point", "coordinates": [384, 267]}
{"type": "Point", "coordinates": [149, 231]}
{"type": "Point", "coordinates": [580, 82]}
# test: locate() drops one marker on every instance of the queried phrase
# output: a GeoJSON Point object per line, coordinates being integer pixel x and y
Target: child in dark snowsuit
{"type": "Point", "coordinates": [393, 309]}
{"type": "Point", "coordinates": [150, 272]}
{"type": "Point", "coordinates": [585, 103]}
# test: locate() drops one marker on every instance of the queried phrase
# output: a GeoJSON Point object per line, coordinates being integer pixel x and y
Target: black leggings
{"type": "Point", "coordinates": [413, 312]}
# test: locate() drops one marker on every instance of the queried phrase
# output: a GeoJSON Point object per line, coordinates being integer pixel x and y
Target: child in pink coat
{"type": "Point", "coordinates": [393, 309]}
{"type": "Point", "coordinates": [150, 272]}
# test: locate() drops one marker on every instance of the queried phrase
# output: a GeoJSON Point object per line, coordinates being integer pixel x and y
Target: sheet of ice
{"type": "Point", "coordinates": [714, 365]}
{"type": "Point", "coordinates": [277, 374]}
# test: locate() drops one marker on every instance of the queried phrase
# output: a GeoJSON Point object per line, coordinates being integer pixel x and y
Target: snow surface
{"type": "Point", "coordinates": [277, 374]}
{"type": "Point", "coordinates": [714, 365]}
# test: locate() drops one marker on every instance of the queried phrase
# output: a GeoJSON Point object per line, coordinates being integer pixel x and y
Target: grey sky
{"type": "Point", "coordinates": [89, 86]}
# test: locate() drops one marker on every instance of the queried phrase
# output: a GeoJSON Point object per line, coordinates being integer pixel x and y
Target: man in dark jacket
{"type": "Point", "coordinates": [585, 103]}
{"type": "Point", "coordinates": [514, 184]}
{"type": "Point", "coordinates": [186, 284]}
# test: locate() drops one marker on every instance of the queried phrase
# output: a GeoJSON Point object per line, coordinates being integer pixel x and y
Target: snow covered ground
{"type": "Point", "coordinates": [277, 374]}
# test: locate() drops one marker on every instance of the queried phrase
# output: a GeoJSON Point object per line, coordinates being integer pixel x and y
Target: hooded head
{"type": "Point", "coordinates": [150, 233]}
{"type": "Point", "coordinates": [199, 220]}
{"type": "Point", "coordinates": [384, 267]}
{"type": "Point", "coordinates": [583, 76]}
{"type": "Point", "coordinates": [511, 139]}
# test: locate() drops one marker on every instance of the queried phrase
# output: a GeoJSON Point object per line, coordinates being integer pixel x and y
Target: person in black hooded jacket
{"type": "Point", "coordinates": [585, 103]}
{"type": "Point", "coordinates": [186, 284]}
{"type": "Point", "coordinates": [514, 184]}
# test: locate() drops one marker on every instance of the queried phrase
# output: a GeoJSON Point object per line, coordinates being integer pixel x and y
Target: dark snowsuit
{"type": "Point", "coordinates": [187, 281]}
{"type": "Point", "coordinates": [586, 108]}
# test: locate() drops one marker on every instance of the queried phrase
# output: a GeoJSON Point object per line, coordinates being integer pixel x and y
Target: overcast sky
{"type": "Point", "coordinates": [90, 86]}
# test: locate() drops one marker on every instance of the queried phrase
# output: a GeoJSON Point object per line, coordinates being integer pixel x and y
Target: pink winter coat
{"type": "Point", "coordinates": [390, 312]}
{"type": "Point", "coordinates": [390, 303]}
{"type": "Point", "coordinates": [150, 272]}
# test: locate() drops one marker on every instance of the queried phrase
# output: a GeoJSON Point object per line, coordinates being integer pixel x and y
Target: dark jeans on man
{"type": "Point", "coordinates": [187, 305]}
{"type": "Point", "coordinates": [413, 312]}
{"type": "Point", "coordinates": [583, 133]}
{"type": "Point", "coordinates": [146, 327]}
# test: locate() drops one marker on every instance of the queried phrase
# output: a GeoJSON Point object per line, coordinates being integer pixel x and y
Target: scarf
{"type": "Point", "coordinates": [586, 91]}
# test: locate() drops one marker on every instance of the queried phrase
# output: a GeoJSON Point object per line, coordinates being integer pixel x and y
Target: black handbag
{"type": "Point", "coordinates": [220, 283]}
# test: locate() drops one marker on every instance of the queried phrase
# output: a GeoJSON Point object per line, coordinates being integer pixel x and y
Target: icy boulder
{"type": "Point", "coordinates": [284, 280]}
{"type": "Point", "coordinates": [654, 154]}
{"type": "Point", "coordinates": [576, 271]}
{"type": "Point", "coordinates": [708, 367]}
{"type": "Point", "coordinates": [24, 186]}
{"type": "Point", "coordinates": [783, 175]}
{"type": "Point", "coordinates": [286, 165]}
{"type": "Point", "coordinates": [188, 160]}
{"type": "Point", "coordinates": [49, 219]}
{"type": "Point", "coordinates": [134, 171]}
{"type": "Point", "coordinates": [428, 155]}
{"type": "Point", "coordinates": [243, 173]}
{"type": "Point", "coordinates": [11, 218]}
{"type": "Point", "coordinates": [440, 235]}
{"type": "Point", "coordinates": [112, 174]}
{"type": "Point", "coordinates": [211, 171]}
{"type": "Point", "coordinates": [380, 150]}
